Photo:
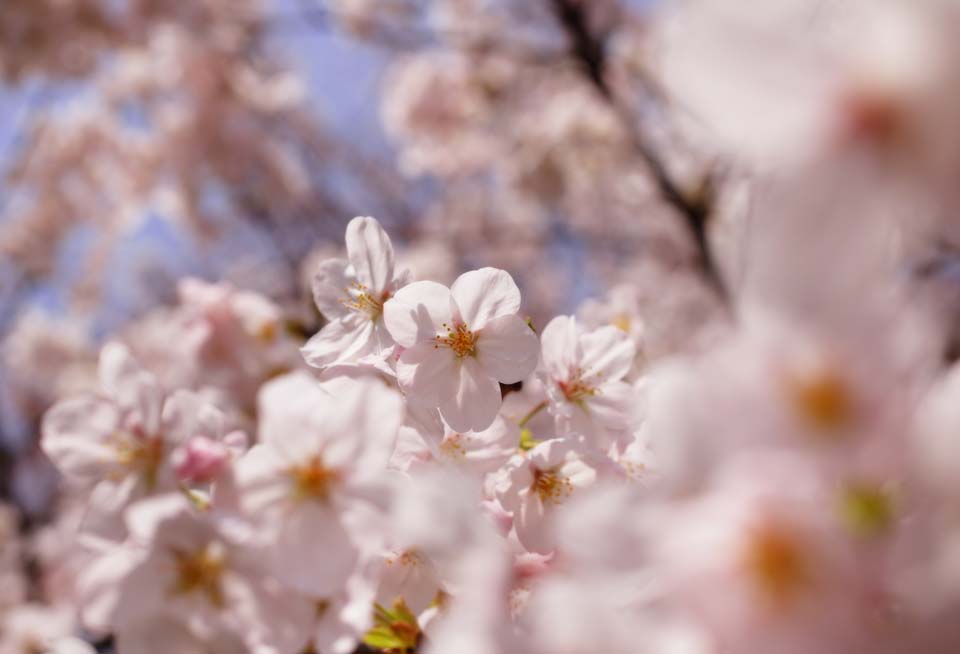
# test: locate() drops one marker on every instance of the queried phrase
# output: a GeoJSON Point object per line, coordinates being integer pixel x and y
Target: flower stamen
{"type": "Point", "coordinates": [201, 571]}
{"type": "Point", "coordinates": [550, 486]}
{"type": "Point", "coordinates": [459, 338]}
{"type": "Point", "coordinates": [313, 481]}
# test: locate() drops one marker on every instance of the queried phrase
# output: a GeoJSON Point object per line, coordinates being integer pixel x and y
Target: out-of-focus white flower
{"type": "Point", "coordinates": [461, 341]}
{"type": "Point", "coordinates": [124, 439]}
{"type": "Point", "coordinates": [351, 295]}
{"type": "Point", "coordinates": [535, 484]}
{"type": "Point", "coordinates": [583, 373]}
{"type": "Point", "coordinates": [196, 571]}
{"type": "Point", "coordinates": [316, 476]}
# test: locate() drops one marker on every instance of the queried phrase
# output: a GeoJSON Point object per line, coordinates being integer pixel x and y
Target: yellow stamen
{"type": "Point", "coordinates": [551, 486]}
{"type": "Point", "coordinates": [201, 572]}
{"type": "Point", "coordinates": [776, 563]}
{"type": "Point", "coordinates": [314, 481]}
{"type": "Point", "coordinates": [360, 300]}
{"type": "Point", "coordinates": [459, 338]}
{"type": "Point", "coordinates": [822, 398]}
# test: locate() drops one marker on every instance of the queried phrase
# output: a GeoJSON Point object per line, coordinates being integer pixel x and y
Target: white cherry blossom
{"type": "Point", "coordinates": [351, 293]}
{"type": "Point", "coordinates": [461, 342]}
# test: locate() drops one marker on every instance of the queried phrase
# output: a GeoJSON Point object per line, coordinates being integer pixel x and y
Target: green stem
{"type": "Point", "coordinates": [534, 411]}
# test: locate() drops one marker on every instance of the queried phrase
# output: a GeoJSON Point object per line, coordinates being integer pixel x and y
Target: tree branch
{"type": "Point", "coordinates": [694, 207]}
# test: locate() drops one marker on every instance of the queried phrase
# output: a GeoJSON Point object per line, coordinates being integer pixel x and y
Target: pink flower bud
{"type": "Point", "coordinates": [200, 461]}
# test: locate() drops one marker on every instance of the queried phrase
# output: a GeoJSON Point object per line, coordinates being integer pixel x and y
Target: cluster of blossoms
{"type": "Point", "coordinates": [440, 477]}
{"type": "Point", "coordinates": [775, 468]}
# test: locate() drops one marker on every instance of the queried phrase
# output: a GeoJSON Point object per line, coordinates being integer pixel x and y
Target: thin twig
{"type": "Point", "coordinates": [589, 51]}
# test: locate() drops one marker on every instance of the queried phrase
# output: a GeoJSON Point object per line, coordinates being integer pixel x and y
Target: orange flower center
{"type": "Point", "coordinates": [459, 338]}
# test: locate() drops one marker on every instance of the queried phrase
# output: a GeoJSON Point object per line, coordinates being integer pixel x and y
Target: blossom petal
{"type": "Point", "coordinates": [560, 343]}
{"type": "Point", "coordinates": [425, 373]}
{"type": "Point", "coordinates": [76, 435]}
{"type": "Point", "coordinates": [371, 253]}
{"type": "Point", "coordinates": [507, 349]}
{"type": "Point", "coordinates": [608, 353]}
{"type": "Point", "coordinates": [312, 552]}
{"type": "Point", "coordinates": [186, 414]}
{"type": "Point", "coordinates": [485, 294]}
{"type": "Point", "coordinates": [330, 285]}
{"type": "Point", "coordinates": [344, 339]}
{"type": "Point", "coordinates": [475, 400]}
{"type": "Point", "coordinates": [416, 312]}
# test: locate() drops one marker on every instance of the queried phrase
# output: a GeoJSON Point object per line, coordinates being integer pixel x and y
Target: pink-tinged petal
{"type": "Point", "coordinates": [117, 368]}
{"type": "Point", "coordinates": [291, 409]}
{"type": "Point", "coordinates": [134, 389]}
{"type": "Point", "coordinates": [485, 294]}
{"type": "Point", "coordinates": [560, 343]}
{"type": "Point", "coordinates": [532, 522]}
{"type": "Point", "coordinates": [312, 553]}
{"type": "Point", "coordinates": [187, 414]}
{"type": "Point", "coordinates": [426, 373]}
{"type": "Point", "coordinates": [344, 339]}
{"type": "Point", "coordinates": [415, 314]}
{"type": "Point", "coordinates": [475, 399]}
{"type": "Point", "coordinates": [262, 480]}
{"type": "Point", "coordinates": [361, 418]}
{"type": "Point", "coordinates": [200, 460]}
{"type": "Point", "coordinates": [608, 354]}
{"type": "Point", "coordinates": [507, 349]}
{"type": "Point", "coordinates": [77, 437]}
{"type": "Point", "coordinates": [371, 253]}
{"type": "Point", "coordinates": [330, 287]}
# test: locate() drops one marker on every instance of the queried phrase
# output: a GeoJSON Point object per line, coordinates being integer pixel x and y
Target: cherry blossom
{"type": "Point", "coordinates": [460, 344]}
{"type": "Point", "coordinates": [313, 480]}
{"type": "Point", "coordinates": [584, 373]}
{"type": "Point", "coordinates": [351, 294]}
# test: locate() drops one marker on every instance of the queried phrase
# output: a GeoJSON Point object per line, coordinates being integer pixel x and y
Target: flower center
{"type": "Point", "coordinates": [360, 300]}
{"type": "Point", "coordinates": [575, 388]}
{"type": "Point", "coordinates": [459, 338]}
{"type": "Point", "coordinates": [452, 446]}
{"type": "Point", "coordinates": [551, 486]}
{"type": "Point", "coordinates": [822, 398]}
{"type": "Point", "coordinates": [139, 452]}
{"type": "Point", "coordinates": [776, 563]}
{"type": "Point", "coordinates": [313, 481]}
{"type": "Point", "coordinates": [201, 572]}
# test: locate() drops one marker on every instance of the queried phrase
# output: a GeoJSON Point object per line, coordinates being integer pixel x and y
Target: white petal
{"type": "Point", "coordinates": [187, 414]}
{"type": "Point", "coordinates": [292, 409]}
{"type": "Point", "coordinates": [312, 552]}
{"type": "Point", "coordinates": [560, 343]}
{"type": "Point", "coordinates": [371, 253]}
{"type": "Point", "coordinates": [360, 423]}
{"type": "Point", "coordinates": [608, 354]}
{"type": "Point", "coordinates": [426, 373]}
{"type": "Point", "coordinates": [130, 386]}
{"type": "Point", "coordinates": [330, 287]}
{"type": "Point", "coordinates": [508, 349]}
{"type": "Point", "coordinates": [485, 294]}
{"type": "Point", "coordinates": [345, 339]}
{"type": "Point", "coordinates": [475, 400]}
{"type": "Point", "coordinates": [415, 314]}
{"type": "Point", "coordinates": [76, 435]}
{"type": "Point", "coordinates": [262, 480]}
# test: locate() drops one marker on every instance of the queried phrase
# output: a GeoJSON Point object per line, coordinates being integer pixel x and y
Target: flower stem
{"type": "Point", "coordinates": [534, 411]}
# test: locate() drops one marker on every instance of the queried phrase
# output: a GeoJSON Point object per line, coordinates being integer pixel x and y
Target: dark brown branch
{"type": "Point", "coordinates": [589, 51]}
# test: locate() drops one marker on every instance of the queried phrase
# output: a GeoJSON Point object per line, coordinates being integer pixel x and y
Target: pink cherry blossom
{"type": "Point", "coordinates": [583, 376]}
{"type": "Point", "coordinates": [460, 342]}
{"type": "Point", "coordinates": [314, 478]}
{"type": "Point", "coordinates": [351, 295]}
